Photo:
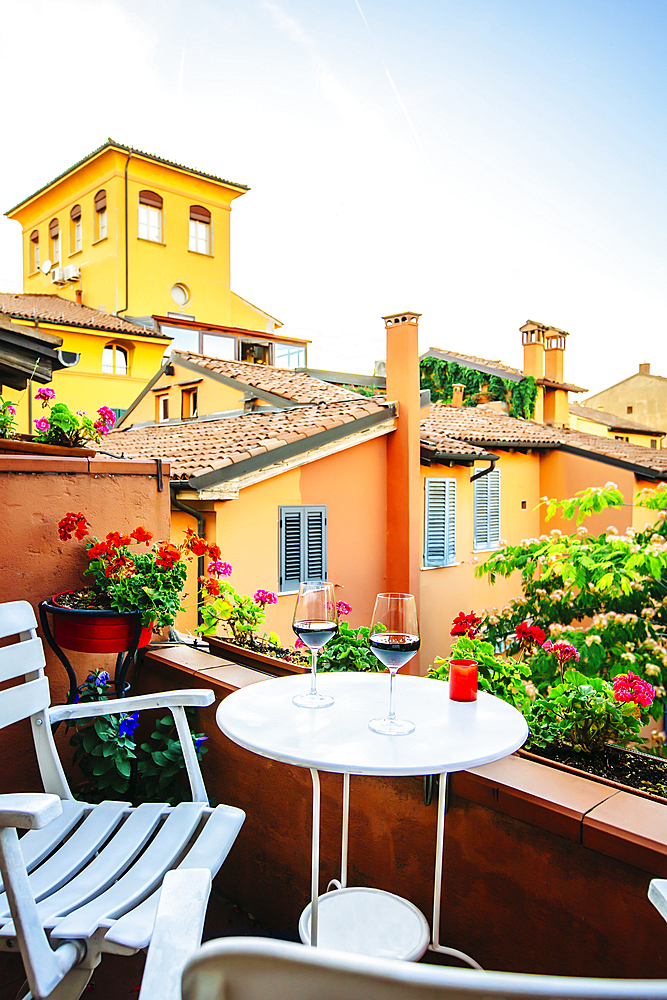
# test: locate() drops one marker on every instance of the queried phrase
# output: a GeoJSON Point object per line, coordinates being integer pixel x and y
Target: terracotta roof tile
{"type": "Point", "coordinates": [466, 359]}
{"type": "Point", "coordinates": [611, 420]}
{"type": "Point", "coordinates": [195, 447]}
{"type": "Point", "coordinates": [296, 386]}
{"type": "Point", "coordinates": [55, 309]}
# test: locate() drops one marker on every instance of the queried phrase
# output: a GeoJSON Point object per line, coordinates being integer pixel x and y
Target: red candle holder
{"type": "Point", "coordinates": [463, 680]}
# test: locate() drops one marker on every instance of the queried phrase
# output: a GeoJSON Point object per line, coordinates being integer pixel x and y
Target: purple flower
{"type": "Point", "coordinates": [42, 424]}
{"type": "Point", "coordinates": [198, 742]}
{"type": "Point", "coordinates": [128, 723]}
{"type": "Point", "coordinates": [265, 597]}
{"type": "Point", "coordinates": [45, 394]}
{"type": "Point", "coordinates": [103, 677]}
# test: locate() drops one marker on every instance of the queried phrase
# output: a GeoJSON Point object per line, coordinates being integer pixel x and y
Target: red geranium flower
{"type": "Point", "coordinates": [630, 687]}
{"type": "Point", "coordinates": [167, 555]}
{"type": "Point", "coordinates": [72, 524]}
{"type": "Point", "coordinates": [115, 539]}
{"type": "Point", "coordinates": [466, 624]}
{"type": "Point", "coordinates": [215, 552]}
{"type": "Point", "coordinates": [141, 535]}
{"type": "Point", "coordinates": [529, 635]}
{"type": "Point", "coordinates": [98, 550]}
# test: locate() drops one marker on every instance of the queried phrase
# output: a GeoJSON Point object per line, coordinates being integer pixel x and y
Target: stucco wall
{"type": "Point", "coordinates": [34, 494]}
{"type": "Point", "coordinates": [646, 394]}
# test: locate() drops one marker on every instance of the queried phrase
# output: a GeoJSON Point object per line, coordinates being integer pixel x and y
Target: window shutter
{"type": "Point", "coordinates": [100, 201]}
{"type": "Point", "coordinates": [54, 228]}
{"type": "Point", "coordinates": [440, 522]}
{"type": "Point", "coordinates": [481, 512]}
{"type": "Point", "coordinates": [76, 212]}
{"type": "Point", "coordinates": [302, 554]}
{"type": "Point", "coordinates": [494, 507]}
{"type": "Point", "coordinates": [34, 236]}
{"type": "Point", "coordinates": [150, 198]}
{"type": "Point", "coordinates": [200, 214]}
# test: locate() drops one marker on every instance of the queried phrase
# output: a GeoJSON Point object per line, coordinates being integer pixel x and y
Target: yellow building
{"type": "Point", "coordinates": [132, 236]}
{"type": "Point", "coordinates": [600, 421]}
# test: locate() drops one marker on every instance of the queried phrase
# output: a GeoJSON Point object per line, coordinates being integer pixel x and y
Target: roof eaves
{"type": "Point", "coordinates": [308, 443]}
{"type": "Point", "coordinates": [644, 471]}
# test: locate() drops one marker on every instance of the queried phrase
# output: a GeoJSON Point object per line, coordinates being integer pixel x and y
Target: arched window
{"type": "Point", "coordinates": [101, 215]}
{"type": "Point", "coordinates": [75, 237]}
{"type": "Point", "coordinates": [200, 230]}
{"type": "Point", "coordinates": [54, 236]}
{"type": "Point", "coordinates": [115, 360]}
{"type": "Point", "coordinates": [34, 250]}
{"type": "Point", "coordinates": [150, 216]}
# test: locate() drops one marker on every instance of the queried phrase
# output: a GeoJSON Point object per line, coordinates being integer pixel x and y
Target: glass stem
{"type": "Point", "coordinates": [392, 713]}
{"type": "Point", "coordinates": [313, 671]}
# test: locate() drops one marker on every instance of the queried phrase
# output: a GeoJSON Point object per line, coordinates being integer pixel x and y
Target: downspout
{"type": "Point", "coordinates": [201, 531]}
{"type": "Point", "coordinates": [127, 264]}
{"type": "Point", "coordinates": [485, 472]}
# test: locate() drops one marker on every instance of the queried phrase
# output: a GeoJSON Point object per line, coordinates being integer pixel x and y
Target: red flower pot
{"type": "Point", "coordinates": [94, 631]}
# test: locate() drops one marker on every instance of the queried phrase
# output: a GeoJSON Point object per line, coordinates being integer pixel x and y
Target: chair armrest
{"type": "Point", "coordinates": [167, 699]}
{"type": "Point", "coordinates": [28, 810]}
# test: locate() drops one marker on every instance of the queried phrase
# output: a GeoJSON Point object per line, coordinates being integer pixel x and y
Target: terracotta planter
{"type": "Point", "coordinates": [249, 658]}
{"type": "Point", "coordinates": [17, 446]}
{"type": "Point", "coordinates": [94, 631]}
{"type": "Point", "coordinates": [571, 769]}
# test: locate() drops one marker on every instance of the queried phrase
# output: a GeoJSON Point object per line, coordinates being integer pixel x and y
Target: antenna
{"type": "Point", "coordinates": [46, 266]}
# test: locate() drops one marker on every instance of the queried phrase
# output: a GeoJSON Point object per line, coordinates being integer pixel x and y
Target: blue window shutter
{"type": "Point", "coordinates": [440, 522]}
{"type": "Point", "coordinates": [302, 545]}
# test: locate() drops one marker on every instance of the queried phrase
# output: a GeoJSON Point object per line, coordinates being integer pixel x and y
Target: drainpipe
{"type": "Point", "coordinates": [485, 472]}
{"type": "Point", "coordinates": [201, 531]}
{"type": "Point", "coordinates": [127, 266]}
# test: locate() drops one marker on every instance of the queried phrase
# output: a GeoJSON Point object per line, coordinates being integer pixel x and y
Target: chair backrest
{"type": "Point", "coordinates": [259, 968]}
{"type": "Point", "coordinates": [31, 699]}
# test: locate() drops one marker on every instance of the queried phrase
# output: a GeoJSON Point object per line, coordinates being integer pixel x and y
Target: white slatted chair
{"type": "Point", "coordinates": [262, 969]}
{"type": "Point", "coordinates": [86, 879]}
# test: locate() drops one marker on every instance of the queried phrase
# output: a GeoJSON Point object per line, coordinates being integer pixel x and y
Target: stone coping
{"type": "Point", "coordinates": [98, 465]}
{"type": "Point", "coordinates": [618, 824]}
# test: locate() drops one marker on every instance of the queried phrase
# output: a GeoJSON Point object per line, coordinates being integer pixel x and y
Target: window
{"type": "Point", "coordinates": [183, 339]}
{"type": "Point", "coordinates": [487, 511]}
{"type": "Point", "coordinates": [302, 546]}
{"type": "Point", "coordinates": [219, 347]}
{"type": "Point", "coordinates": [619, 437]}
{"type": "Point", "coordinates": [654, 443]}
{"type": "Point", "coordinates": [115, 360]}
{"type": "Point", "coordinates": [289, 356]}
{"type": "Point", "coordinates": [255, 351]}
{"type": "Point", "coordinates": [188, 404]}
{"type": "Point", "coordinates": [101, 215]}
{"type": "Point", "coordinates": [150, 216]}
{"type": "Point", "coordinates": [628, 409]}
{"type": "Point", "coordinates": [439, 522]}
{"type": "Point", "coordinates": [161, 408]}
{"type": "Point", "coordinates": [75, 230]}
{"type": "Point", "coordinates": [180, 293]}
{"type": "Point", "coordinates": [34, 250]}
{"type": "Point", "coordinates": [200, 230]}
{"type": "Point", "coordinates": [54, 236]}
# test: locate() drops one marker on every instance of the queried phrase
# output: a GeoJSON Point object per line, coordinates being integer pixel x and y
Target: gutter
{"type": "Point", "coordinates": [201, 531]}
{"type": "Point", "coordinates": [127, 263]}
{"type": "Point", "coordinates": [643, 471]}
{"type": "Point", "coordinates": [485, 472]}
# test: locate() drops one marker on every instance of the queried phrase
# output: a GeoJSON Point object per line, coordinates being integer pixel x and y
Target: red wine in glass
{"type": "Point", "coordinates": [394, 649]}
{"type": "Point", "coordinates": [394, 639]}
{"type": "Point", "coordinates": [315, 622]}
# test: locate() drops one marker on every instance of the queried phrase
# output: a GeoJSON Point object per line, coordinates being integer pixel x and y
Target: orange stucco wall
{"type": "Point", "coordinates": [34, 494]}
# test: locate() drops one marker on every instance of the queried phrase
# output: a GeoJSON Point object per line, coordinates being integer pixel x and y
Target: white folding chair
{"type": "Point", "coordinates": [86, 879]}
{"type": "Point", "coordinates": [262, 969]}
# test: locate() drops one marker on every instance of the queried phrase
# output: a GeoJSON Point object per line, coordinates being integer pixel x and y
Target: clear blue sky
{"type": "Point", "coordinates": [479, 161]}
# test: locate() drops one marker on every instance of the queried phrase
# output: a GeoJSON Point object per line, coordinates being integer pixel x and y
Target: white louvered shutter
{"type": "Point", "coordinates": [440, 522]}
{"type": "Point", "coordinates": [487, 510]}
{"type": "Point", "coordinates": [302, 550]}
{"type": "Point", "coordinates": [494, 508]}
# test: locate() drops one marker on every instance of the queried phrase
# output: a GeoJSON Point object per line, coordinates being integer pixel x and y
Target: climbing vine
{"type": "Point", "coordinates": [440, 376]}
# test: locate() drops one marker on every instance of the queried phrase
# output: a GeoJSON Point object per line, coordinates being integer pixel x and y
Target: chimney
{"type": "Point", "coordinates": [404, 515]}
{"type": "Point", "coordinates": [532, 338]}
{"type": "Point", "coordinates": [457, 397]}
{"type": "Point", "coordinates": [79, 296]}
{"type": "Point", "coordinates": [553, 355]}
{"type": "Point", "coordinates": [645, 368]}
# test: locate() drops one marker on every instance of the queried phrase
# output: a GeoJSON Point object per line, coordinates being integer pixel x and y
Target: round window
{"type": "Point", "coordinates": [180, 294]}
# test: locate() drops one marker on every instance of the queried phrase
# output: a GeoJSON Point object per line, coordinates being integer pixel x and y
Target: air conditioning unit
{"type": "Point", "coordinates": [57, 276]}
{"type": "Point", "coordinates": [72, 272]}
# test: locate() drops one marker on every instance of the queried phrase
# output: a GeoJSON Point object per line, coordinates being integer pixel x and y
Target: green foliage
{"type": "Point", "coordinates": [582, 713]}
{"type": "Point", "coordinates": [348, 650]}
{"type": "Point", "coordinates": [241, 614]}
{"type": "Point", "coordinates": [162, 767]}
{"type": "Point", "coordinates": [440, 376]}
{"type": "Point", "coordinates": [499, 675]}
{"type": "Point", "coordinates": [7, 422]}
{"type": "Point", "coordinates": [154, 590]}
{"type": "Point", "coordinates": [605, 594]}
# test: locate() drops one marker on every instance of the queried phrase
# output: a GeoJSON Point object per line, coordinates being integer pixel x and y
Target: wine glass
{"type": "Point", "coordinates": [394, 639]}
{"type": "Point", "coordinates": [315, 622]}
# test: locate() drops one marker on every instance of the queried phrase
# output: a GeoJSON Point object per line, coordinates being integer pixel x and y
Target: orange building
{"type": "Point", "coordinates": [297, 477]}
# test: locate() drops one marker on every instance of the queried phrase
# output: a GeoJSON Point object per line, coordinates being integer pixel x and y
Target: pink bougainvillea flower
{"type": "Point", "coordinates": [45, 394]}
{"type": "Point", "coordinates": [630, 687]}
{"type": "Point", "coordinates": [265, 597]}
{"type": "Point", "coordinates": [342, 608]}
{"type": "Point", "coordinates": [42, 424]}
{"type": "Point", "coordinates": [465, 624]}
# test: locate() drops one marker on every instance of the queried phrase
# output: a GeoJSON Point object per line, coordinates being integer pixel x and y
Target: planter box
{"type": "Point", "coordinates": [249, 658]}
{"type": "Point", "coordinates": [29, 447]}
{"type": "Point", "coordinates": [571, 769]}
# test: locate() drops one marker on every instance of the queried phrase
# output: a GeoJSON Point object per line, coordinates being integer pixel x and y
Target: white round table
{"type": "Point", "coordinates": [448, 736]}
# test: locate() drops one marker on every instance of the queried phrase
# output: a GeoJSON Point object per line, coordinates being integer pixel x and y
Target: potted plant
{"type": "Point", "coordinates": [59, 432]}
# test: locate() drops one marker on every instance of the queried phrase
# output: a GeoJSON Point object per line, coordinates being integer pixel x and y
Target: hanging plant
{"type": "Point", "coordinates": [440, 377]}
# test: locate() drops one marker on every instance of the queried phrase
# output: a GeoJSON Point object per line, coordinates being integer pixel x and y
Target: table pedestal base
{"type": "Point", "coordinates": [368, 922]}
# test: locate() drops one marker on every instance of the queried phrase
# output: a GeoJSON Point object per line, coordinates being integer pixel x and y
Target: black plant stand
{"type": "Point", "coordinates": [123, 660]}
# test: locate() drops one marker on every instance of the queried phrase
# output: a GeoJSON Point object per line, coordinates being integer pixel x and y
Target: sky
{"type": "Point", "coordinates": [481, 162]}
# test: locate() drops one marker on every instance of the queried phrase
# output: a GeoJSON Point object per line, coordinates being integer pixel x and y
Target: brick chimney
{"type": "Point", "coordinates": [645, 368]}
{"type": "Point", "coordinates": [404, 513]}
{"type": "Point", "coordinates": [457, 396]}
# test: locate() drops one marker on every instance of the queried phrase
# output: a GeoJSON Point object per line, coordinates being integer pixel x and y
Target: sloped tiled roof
{"type": "Point", "coordinates": [470, 361]}
{"type": "Point", "coordinates": [611, 420]}
{"type": "Point", "coordinates": [284, 382]}
{"type": "Point", "coordinates": [203, 446]}
{"type": "Point", "coordinates": [55, 309]}
{"type": "Point", "coordinates": [486, 427]}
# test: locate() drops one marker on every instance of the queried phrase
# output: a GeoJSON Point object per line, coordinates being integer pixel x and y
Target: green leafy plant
{"type": "Point", "coordinates": [240, 614]}
{"type": "Point", "coordinates": [499, 675]}
{"type": "Point", "coordinates": [67, 429]}
{"type": "Point", "coordinates": [440, 376]}
{"type": "Point", "coordinates": [348, 650]}
{"type": "Point", "coordinates": [162, 767]}
{"type": "Point", "coordinates": [7, 422]}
